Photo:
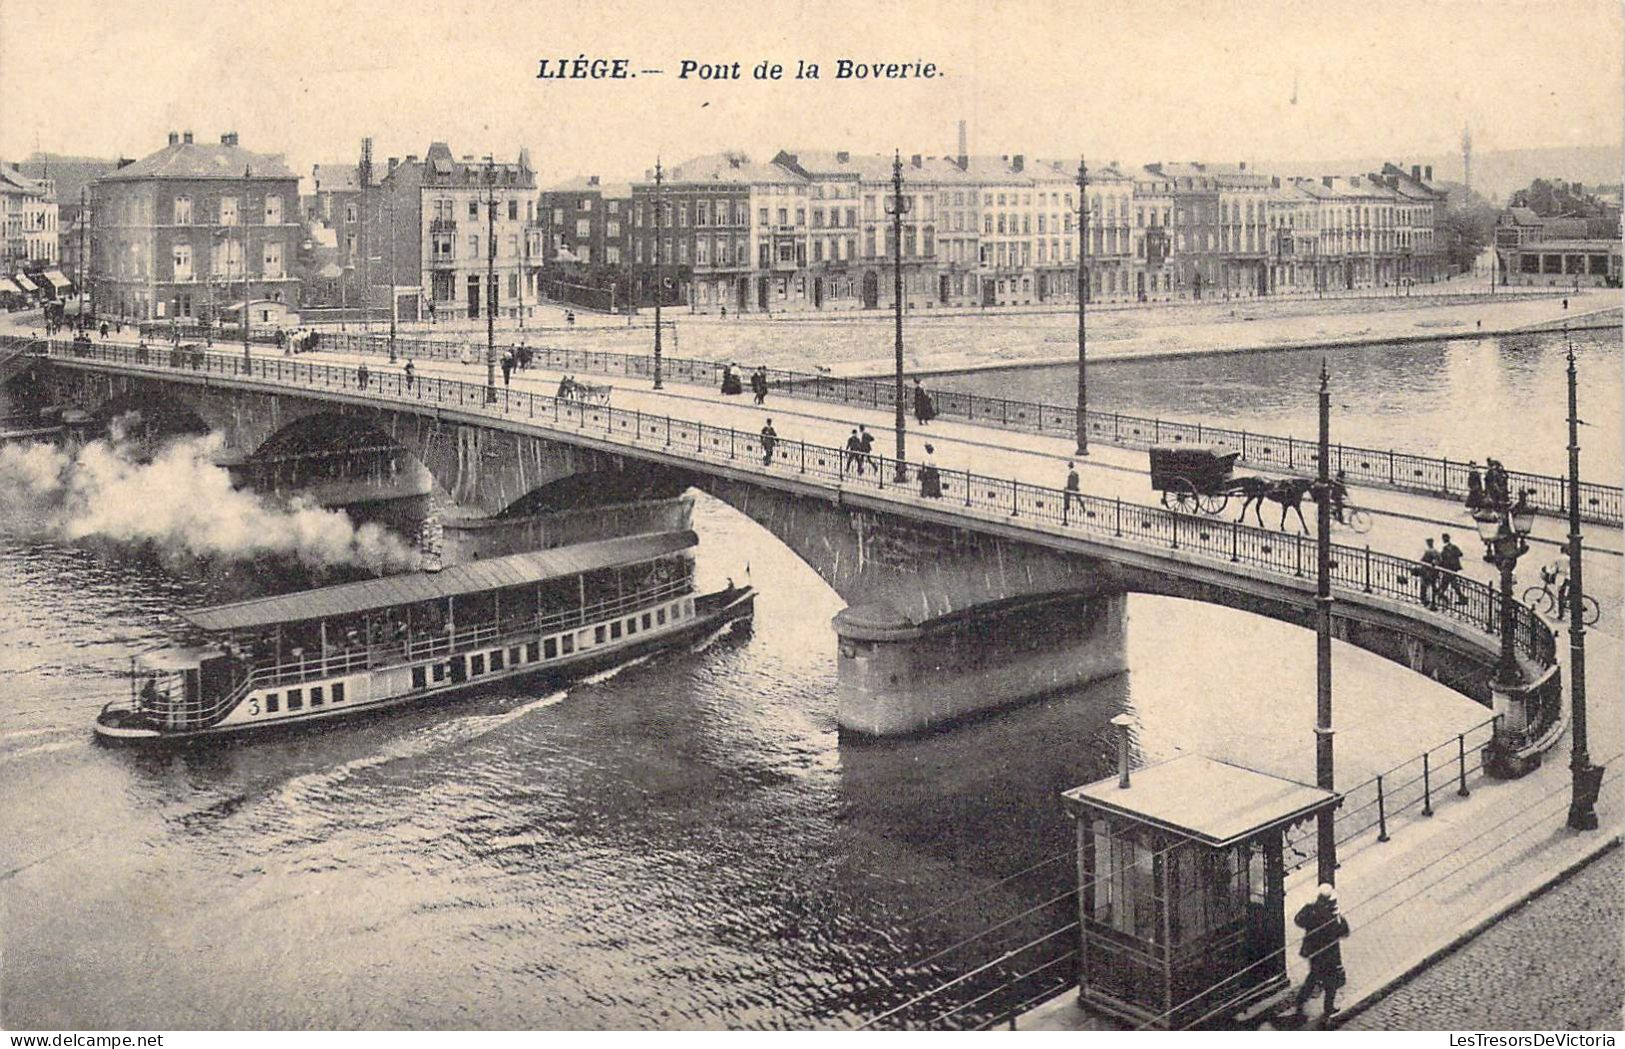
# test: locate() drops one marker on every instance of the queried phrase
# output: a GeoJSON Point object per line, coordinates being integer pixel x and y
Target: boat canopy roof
{"type": "Point", "coordinates": [474, 577]}
{"type": "Point", "coordinates": [170, 659]}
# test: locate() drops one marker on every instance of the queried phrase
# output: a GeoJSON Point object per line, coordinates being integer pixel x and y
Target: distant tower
{"type": "Point", "coordinates": [964, 151]}
{"type": "Point", "coordinates": [1467, 160]}
{"type": "Point", "coordinates": [364, 176]}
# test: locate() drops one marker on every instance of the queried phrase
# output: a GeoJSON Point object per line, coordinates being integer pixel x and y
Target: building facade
{"type": "Point", "coordinates": [177, 234]}
{"type": "Point", "coordinates": [1536, 251]}
{"type": "Point", "coordinates": [439, 221]}
{"type": "Point", "coordinates": [28, 211]}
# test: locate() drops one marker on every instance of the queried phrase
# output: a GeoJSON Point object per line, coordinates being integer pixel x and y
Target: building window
{"type": "Point", "coordinates": [273, 210]}
{"type": "Point", "coordinates": [273, 261]}
{"type": "Point", "coordinates": [349, 213]}
{"type": "Point", "coordinates": [473, 209]}
{"type": "Point", "coordinates": [513, 211]}
{"type": "Point", "coordinates": [228, 211]}
{"type": "Point", "coordinates": [183, 262]}
{"type": "Point", "coordinates": [183, 211]}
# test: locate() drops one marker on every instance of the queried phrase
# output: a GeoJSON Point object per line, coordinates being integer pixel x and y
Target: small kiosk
{"type": "Point", "coordinates": [1181, 900]}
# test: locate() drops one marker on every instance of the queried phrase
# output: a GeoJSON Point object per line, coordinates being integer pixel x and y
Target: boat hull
{"type": "Point", "coordinates": [713, 612]}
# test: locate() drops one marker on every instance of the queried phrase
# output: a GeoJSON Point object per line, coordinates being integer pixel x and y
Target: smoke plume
{"type": "Point", "coordinates": [178, 501]}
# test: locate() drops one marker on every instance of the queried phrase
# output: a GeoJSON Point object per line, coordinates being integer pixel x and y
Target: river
{"type": "Point", "coordinates": [685, 842]}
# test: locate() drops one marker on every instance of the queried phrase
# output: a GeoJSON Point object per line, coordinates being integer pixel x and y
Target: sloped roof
{"type": "Point", "coordinates": [203, 160]}
{"type": "Point", "coordinates": [440, 168]}
{"type": "Point", "coordinates": [17, 182]}
{"type": "Point", "coordinates": [71, 174]}
{"type": "Point", "coordinates": [473, 577]}
{"type": "Point", "coordinates": [585, 184]}
{"type": "Point", "coordinates": [727, 166]}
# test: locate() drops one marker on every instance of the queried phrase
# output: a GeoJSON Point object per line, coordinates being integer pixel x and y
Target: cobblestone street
{"type": "Point", "coordinates": [1552, 964]}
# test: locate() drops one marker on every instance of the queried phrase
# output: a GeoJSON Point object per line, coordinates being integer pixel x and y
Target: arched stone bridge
{"type": "Point", "coordinates": [924, 579]}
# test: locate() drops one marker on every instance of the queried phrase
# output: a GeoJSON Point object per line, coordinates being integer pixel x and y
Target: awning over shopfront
{"type": "Point", "coordinates": [8, 288]}
{"type": "Point", "coordinates": [24, 283]}
{"type": "Point", "coordinates": [58, 281]}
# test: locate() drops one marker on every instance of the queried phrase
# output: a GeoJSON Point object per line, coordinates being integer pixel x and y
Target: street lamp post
{"type": "Point", "coordinates": [1586, 778]}
{"type": "Point", "coordinates": [1083, 297]}
{"type": "Point", "coordinates": [660, 269]}
{"type": "Point", "coordinates": [898, 207]}
{"type": "Point", "coordinates": [247, 217]}
{"type": "Point", "coordinates": [394, 303]}
{"type": "Point", "coordinates": [84, 220]}
{"type": "Point", "coordinates": [1503, 530]}
{"type": "Point", "coordinates": [491, 280]}
{"type": "Point", "coordinates": [1326, 835]}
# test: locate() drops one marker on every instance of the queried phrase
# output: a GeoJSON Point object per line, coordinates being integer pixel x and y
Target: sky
{"type": "Point", "coordinates": [1138, 81]}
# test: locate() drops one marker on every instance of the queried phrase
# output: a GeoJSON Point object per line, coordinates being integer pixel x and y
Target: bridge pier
{"type": "Point", "coordinates": [895, 677]}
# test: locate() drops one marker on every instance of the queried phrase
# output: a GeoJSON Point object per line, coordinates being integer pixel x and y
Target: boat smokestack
{"type": "Point", "coordinates": [1122, 723]}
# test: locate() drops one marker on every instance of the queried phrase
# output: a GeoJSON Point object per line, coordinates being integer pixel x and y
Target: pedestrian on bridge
{"type": "Point", "coordinates": [1322, 928]}
{"type": "Point", "coordinates": [770, 437]}
{"type": "Point", "coordinates": [361, 375]}
{"type": "Point", "coordinates": [1071, 493]}
{"type": "Point", "coordinates": [467, 356]}
{"type": "Point", "coordinates": [1428, 573]}
{"type": "Point", "coordinates": [507, 369]}
{"type": "Point", "coordinates": [1475, 487]}
{"type": "Point", "coordinates": [930, 476]}
{"type": "Point", "coordinates": [411, 373]}
{"type": "Point", "coordinates": [924, 411]}
{"type": "Point", "coordinates": [854, 452]}
{"type": "Point", "coordinates": [867, 440]}
{"type": "Point", "coordinates": [1450, 563]}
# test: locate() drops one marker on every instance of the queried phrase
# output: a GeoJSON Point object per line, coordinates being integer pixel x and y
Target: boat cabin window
{"type": "Point", "coordinates": [273, 702]}
{"type": "Point", "coordinates": [296, 699]}
{"type": "Point", "coordinates": [316, 696]}
{"type": "Point", "coordinates": [513, 656]}
{"type": "Point", "coordinates": [338, 692]}
{"type": "Point", "coordinates": [632, 625]}
{"type": "Point", "coordinates": [420, 677]}
{"type": "Point", "coordinates": [646, 620]}
{"type": "Point", "coordinates": [440, 671]}
{"type": "Point", "coordinates": [496, 660]}
{"type": "Point", "coordinates": [550, 648]}
{"type": "Point", "coordinates": [598, 635]}
{"type": "Point", "coordinates": [476, 665]}
{"type": "Point", "coordinates": [567, 643]}
{"type": "Point", "coordinates": [660, 616]}
{"type": "Point", "coordinates": [615, 630]}
{"type": "Point", "coordinates": [531, 652]}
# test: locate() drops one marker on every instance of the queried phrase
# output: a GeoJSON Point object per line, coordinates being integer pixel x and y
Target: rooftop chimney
{"type": "Point", "coordinates": [125, 162]}
{"type": "Point", "coordinates": [1427, 173]}
{"type": "Point", "coordinates": [174, 137]}
{"type": "Point", "coordinates": [468, 158]}
{"type": "Point", "coordinates": [1416, 172]}
{"type": "Point", "coordinates": [1122, 723]}
{"type": "Point", "coordinates": [964, 148]}
{"type": "Point", "coordinates": [229, 138]}
{"type": "Point", "coordinates": [186, 136]}
{"type": "Point", "coordinates": [915, 160]}
{"type": "Point", "coordinates": [1018, 162]}
{"type": "Point", "coordinates": [592, 180]}
{"type": "Point", "coordinates": [411, 158]}
{"type": "Point", "coordinates": [843, 157]}
{"type": "Point", "coordinates": [1326, 180]}
{"type": "Point", "coordinates": [1243, 165]}
{"type": "Point", "coordinates": [394, 162]}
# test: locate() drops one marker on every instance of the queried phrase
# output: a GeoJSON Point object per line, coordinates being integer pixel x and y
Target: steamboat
{"type": "Point", "coordinates": [341, 650]}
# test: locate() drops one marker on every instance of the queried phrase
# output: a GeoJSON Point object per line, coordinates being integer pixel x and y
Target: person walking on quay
{"type": "Point", "coordinates": [924, 411]}
{"type": "Point", "coordinates": [411, 373]}
{"type": "Point", "coordinates": [361, 375]}
{"type": "Point", "coordinates": [770, 437]}
{"type": "Point", "coordinates": [930, 477]}
{"type": "Point", "coordinates": [104, 331]}
{"type": "Point", "coordinates": [1429, 574]}
{"type": "Point", "coordinates": [1475, 487]}
{"type": "Point", "coordinates": [507, 369]}
{"type": "Point", "coordinates": [867, 440]}
{"type": "Point", "coordinates": [1323, 928]}
{"type": "Point", "coordinates": [1496, 495]}
{"type": "Point", "coordinates": [1071, 493]}
{"type": "Point", "coordinates": [1450, 565]}
{"type": "Point", "coordinates": [758, 384]}
{"type": "Point", "coordinates": [854, 452]}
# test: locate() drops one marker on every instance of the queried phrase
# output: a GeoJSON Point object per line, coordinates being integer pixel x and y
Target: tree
{"type": "Point", "coordinates": [1465, 232]}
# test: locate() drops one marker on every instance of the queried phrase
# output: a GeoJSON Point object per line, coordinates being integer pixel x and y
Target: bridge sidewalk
{"type": "Point", "coordinates": [1440, 880]}
{"type": "Point", "coordinates": [1402, 520]}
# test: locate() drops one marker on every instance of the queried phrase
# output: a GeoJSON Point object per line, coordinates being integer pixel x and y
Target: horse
{"type": "Point", "coordinates": [1288, 493]}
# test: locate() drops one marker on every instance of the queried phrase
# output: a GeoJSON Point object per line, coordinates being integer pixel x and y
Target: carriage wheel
{"type": "Point", "coordinates": [1213, 503]}
{"type": "Point", "coordinates": [1180, 496]}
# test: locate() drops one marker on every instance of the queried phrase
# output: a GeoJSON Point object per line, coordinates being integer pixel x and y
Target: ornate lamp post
{"type": "Point", "coordinates": [490, 280]}
{"type": "Point", "coordinates": [1586, 778]}
{"type": "Point", "coordinates": [898, 206]}
{"type": "Point", "coordinates": [660, 269]}
{"type": "Point", "coordinates": [1325, 829]}
{"type": "Point", "coordinates": [1504, 531]}
{"type": "Point", "coordinates": [247, 216]}
{"type": "Point", "coordinates": [1083, 298]}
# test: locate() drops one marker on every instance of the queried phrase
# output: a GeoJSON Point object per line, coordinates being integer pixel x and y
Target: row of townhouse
{"type": "Point", "coordinates": [814, 230]}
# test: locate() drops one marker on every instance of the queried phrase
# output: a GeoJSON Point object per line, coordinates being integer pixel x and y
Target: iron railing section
{"type": "Point", "coordinates": [1385, 468]}
{"type": "Point", "coordinates": [1354, 569]}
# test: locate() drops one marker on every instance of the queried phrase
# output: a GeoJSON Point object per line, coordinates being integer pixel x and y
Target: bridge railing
{"type": "Point", "coordinates": [1386, 468]}
{"type": "Point", "coordinates": [961, 493]}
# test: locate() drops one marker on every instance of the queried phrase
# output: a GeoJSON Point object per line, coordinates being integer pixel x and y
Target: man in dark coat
{"type": "Point", "coordinates": [1449, 574]}
{"type": "Point", "coordinates": [1475, 487]}
{"type": "Point", "coordinates": [770, 437]}
{"type": "Point", "coordinates": [1071, 494]}
{"type": "Point", "coordinates": [854, 452]}
{"type": "Point", "coordinates": [867, 440]}
{"type": "Point", "coordinates": [1322, 928]}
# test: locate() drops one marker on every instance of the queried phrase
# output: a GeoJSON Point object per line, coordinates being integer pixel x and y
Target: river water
{"type": "Point", "coordinates": [682, 842]}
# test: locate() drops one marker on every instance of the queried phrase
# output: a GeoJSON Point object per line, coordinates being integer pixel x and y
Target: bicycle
{"type": "Point", "coordinates": [1554, 604]}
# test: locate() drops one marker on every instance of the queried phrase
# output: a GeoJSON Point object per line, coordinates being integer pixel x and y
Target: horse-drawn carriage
{"type": "Point", "coordinates": [1196, 478]}
{"type": "Point", "coordinates": [584, 392]}
{"type": "Point", "coordinates": [1193, 477]}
